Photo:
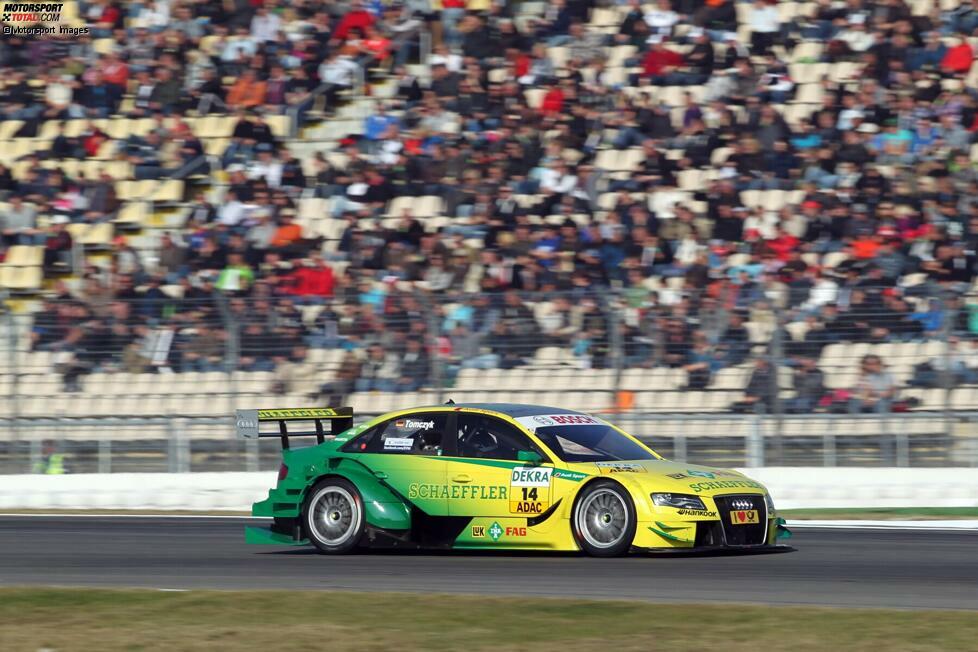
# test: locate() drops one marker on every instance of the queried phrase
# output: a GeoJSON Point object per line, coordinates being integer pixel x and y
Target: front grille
{"type": "Point", "coordinates": [743, 535]}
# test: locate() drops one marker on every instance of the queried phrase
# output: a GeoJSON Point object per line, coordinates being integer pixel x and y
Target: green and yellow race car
{"type": "Point", "coordinates": [496, 476]}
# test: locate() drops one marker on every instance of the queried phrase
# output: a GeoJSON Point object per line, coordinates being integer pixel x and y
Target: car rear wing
{"type": "Point", "coordinates": [248, 422]}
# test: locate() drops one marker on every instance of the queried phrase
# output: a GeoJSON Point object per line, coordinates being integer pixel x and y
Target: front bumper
{"type": "Point", "coordinates": [705, 534]}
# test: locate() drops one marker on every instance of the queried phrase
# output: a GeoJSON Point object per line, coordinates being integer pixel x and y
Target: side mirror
{"type": "Point", "coordinates": [530, 457]}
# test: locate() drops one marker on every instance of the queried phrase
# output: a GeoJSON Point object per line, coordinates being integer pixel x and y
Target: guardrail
{"type": "Point", "coordinates": [792, 488]}
{"type": "Point", "coordinates": [191, 444]}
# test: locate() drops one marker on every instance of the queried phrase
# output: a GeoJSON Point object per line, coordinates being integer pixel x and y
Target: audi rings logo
{"type": "Point", "coordinates": [743, 504]}
{"type": "Point", "coordinates": [247, 424]}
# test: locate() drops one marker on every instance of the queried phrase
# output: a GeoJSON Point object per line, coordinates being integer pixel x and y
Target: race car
{"type": "Point", "coordinates": [496, 476]}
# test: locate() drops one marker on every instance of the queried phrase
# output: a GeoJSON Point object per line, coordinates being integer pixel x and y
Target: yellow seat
{"type": "Point", "coordinates": [133, 213]}
{"type": "Point", "coordinates": [168, 190]}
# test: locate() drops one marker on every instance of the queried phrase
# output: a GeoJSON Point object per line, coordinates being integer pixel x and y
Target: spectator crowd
{"type": "Point", "coordinates": [639, 185]}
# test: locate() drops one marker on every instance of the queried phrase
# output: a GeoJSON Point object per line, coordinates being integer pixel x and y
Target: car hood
{"type": "Point", "coordinates": [677, 477]}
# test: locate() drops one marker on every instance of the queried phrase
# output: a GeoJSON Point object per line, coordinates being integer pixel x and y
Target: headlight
{"type": "Point", "coordinates": [680, 501]}
{"type": "Point", "coordinates": [770, 503]}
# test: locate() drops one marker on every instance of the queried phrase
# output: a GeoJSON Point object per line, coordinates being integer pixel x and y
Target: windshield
{"type": "Point", "coordinates": [597, 443]}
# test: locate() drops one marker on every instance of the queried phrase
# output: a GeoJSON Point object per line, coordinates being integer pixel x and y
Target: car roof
{"type": "Point", "coordinates": [515, 410]}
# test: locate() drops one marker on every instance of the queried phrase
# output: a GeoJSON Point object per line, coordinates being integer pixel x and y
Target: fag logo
{"type": "Point", "coordinates": [495, 531]}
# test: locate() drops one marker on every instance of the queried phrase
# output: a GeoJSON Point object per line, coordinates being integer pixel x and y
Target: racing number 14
{"type": "Point", "coordinates": [528, 501]}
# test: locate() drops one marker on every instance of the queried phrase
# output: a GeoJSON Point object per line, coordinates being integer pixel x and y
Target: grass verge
{"type": "Point", "coordinates": [106, 620]}
{"type": "Point", "coordinates": [882, 514]}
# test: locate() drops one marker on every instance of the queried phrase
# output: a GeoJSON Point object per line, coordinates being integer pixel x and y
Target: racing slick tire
{"type": "Point", "coordinates": [333, 516]}
{"type": "Point", "coordinates": [603, 520]}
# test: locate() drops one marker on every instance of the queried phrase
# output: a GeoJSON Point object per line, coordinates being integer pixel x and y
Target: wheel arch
{"type": "Point", "coordinates": [629, 491]}
{"type": "Point", "coordinates": [383, 507]}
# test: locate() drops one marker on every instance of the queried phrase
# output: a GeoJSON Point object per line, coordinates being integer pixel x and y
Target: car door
{"type": "Point", "coordinates": [405, 453]}
{"type": "Point", "coordinates": [487, 475]}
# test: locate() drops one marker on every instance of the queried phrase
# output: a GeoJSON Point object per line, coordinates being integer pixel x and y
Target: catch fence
{"type": "Point", "coordinates": [747, 373]}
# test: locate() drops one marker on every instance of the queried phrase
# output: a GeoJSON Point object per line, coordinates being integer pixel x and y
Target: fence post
{"type": "Point", "coordinates": [679, 447]}
{"type": "Point", "coordinates": [182, 446]}
{"type": "Point", "coordinates": [776, 354]}
{"type": "Point", "coordinates": [947, 377]}
{"type": "Point", "coordinates": [232, 353]}
{"type": "Point", "coordinates": [902, 446]}
{"type": "Point", "coordinates": [105, 455]}
{"type": "Point", "coordinates": [14, 358]}
{"type": "Point", "coordinates": [617, 345]}
{"type": "Point", "coordinates": [436, 362]}
{"type": "Point", "coordinates": [171, 446]}
{"type": "Point", "coordinates": [828, 446]}
{"type": "Point", "coordinates": [34, 460]}
{"type": "Point", "coordinates": [754, 445]}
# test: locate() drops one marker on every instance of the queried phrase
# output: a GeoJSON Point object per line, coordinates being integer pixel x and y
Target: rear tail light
{"type": "Point", "coordinates": [282, 472]}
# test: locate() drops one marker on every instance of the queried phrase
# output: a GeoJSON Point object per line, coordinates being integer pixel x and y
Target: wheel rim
{"type": "Point", "coordinates": [334, 516]}
{"type": "Point", "coordinates": [602, 518]}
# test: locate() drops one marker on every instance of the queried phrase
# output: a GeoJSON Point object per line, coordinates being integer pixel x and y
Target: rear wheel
{"type": "Point", "coordinates": [604, 519]}
{"type": "Point", "coordinates": [333, 517]}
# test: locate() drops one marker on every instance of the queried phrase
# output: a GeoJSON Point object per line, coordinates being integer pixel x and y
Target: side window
{"type": "Point", "coordinates": [417, 434]}
{"type": "Point", "coordinates": [488, 437]}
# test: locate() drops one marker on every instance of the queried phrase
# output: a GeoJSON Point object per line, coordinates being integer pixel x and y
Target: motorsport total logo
{"type": "Point", "coordinates": [36, 19]}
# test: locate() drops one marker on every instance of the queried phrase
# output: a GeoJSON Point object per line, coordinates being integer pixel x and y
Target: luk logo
{"type": "Point", "coordinates": [495, 531]}
{"type": "Point", "coordinates": [478, 531]}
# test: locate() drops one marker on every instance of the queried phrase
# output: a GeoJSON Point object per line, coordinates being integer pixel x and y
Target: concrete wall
{"type": "Point", "coordinates": [791, 487]}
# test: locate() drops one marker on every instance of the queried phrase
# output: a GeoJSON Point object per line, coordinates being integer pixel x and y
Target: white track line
{"type": "Point", "coordinates": [958, 525]}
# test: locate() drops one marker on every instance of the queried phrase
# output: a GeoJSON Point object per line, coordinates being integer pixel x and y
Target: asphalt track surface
{"type": "Point", "coordinates": [859, 568]}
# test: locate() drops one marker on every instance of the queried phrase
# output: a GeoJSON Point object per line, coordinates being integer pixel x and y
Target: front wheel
{"type": "Point", "coordinates": [604, 519]}
{"type": "Point", "coordinates": [333, 516]}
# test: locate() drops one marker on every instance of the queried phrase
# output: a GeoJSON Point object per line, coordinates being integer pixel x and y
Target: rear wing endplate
{"type": "Point", "coordinates": [248, 422]}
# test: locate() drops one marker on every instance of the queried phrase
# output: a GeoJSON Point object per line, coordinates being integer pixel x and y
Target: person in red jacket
{"type": "Point", "coordinates": [357, 18]}
{"type": "Point", "coordinates": [553, 100]}
{"type": "Point", "coordinates": [659, 61]}
{"type": "Point", "coordinates": [782, 245]}
{"type": "Point", "coordinates": [958, 59]}
{"type": "Point", "coordinates": [312, 281]}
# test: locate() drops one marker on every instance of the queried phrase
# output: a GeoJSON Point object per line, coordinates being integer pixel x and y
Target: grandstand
{"type": "Point", "coordinates": [618, 207]}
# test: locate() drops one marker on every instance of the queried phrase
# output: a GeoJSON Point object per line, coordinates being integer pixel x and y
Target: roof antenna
{"type": "Point", "coordinates": [449, 402]}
